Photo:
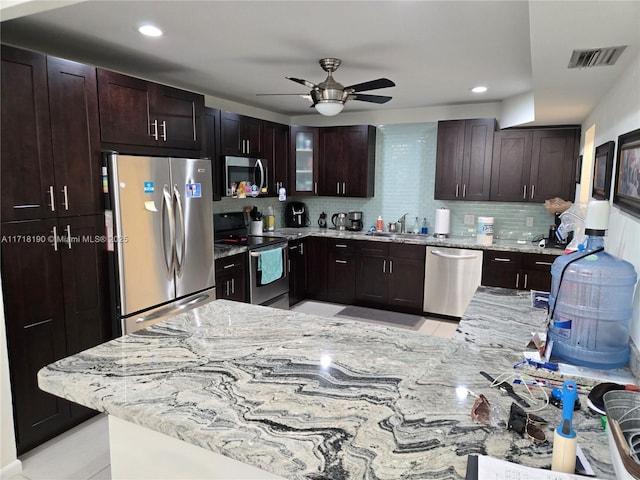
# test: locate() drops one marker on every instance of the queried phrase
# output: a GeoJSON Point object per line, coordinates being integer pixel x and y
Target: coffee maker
{"type": "Point", "coordinates": [354, 221]}
{"type": "Point", "coordinates": [296, 215]}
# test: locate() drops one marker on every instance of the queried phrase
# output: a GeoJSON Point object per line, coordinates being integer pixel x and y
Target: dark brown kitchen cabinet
{"type": "Point", "coordinates": [51, 164]}
{"type": "Point", "coordinates": [297, 269]}
{"type": "Point", "coordinates": [240, 135]}
{"type": "Point", "coordinates": [137, 112]}
{"type": "Point", "coordinates": [55, 286]}
{"type": "Point", "coordinates": [534, 165]}
{"type": "Point", "coordinates": [275, 149]}
{"type": "Point", "coordinates": [522, 271]}
{"type": "Point", "coordinates": [341, 271]}
{"type": "Point", "coordinates": [347, 161]}
{"type": "Point", "coordinates": [463, 159]}
{"type": "Point", "coordinates": [231, 278]}
{"type": "Point", "coordinates": [390, 275]}
{"type": "Point", "coordinates": [304, 164]}
{"type": "Point", "coordinates": [316, 254]}
{"type": "Point", "coordinates": [211, 149]}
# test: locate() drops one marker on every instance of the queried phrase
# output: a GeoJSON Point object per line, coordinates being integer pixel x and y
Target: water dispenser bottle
{"type": "Point", "coordinates": [590, 305]}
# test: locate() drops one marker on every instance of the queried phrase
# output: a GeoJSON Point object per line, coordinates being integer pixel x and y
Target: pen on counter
{"type": "Point", "coordinates": [533, 363]}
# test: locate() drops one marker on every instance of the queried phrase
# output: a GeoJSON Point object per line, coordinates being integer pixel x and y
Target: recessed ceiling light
{"type": "Point", "coordinates": [150, 30]}
{"type": "Point", "coordinates": [479, 89]}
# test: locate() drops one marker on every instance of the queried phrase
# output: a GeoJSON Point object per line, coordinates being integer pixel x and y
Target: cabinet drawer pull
{"type": "Point", "coordinates": [52, 199]}
{"type": "Point", "coordinates": [315, 188]}
{"type": "Point", "coordinates": [526, 280]}
{"type": "Point", "coordinates": [517, 279]}
{"type": "Point", "coordinates": [384, 266]}
{"type": "Point", "coordinates": [231, 265]}
{"type": "Point", "coordinates": [344, 188]}
{"type": "Point", "coordinates": [390, 266]}
{"type": "Point", "coordinates": [533, 191]}
{"type": "Point", "coordinates": [457, 190]}
{"type": "Point", "coordinates": [499, 259]}
{"type": "Point", "coordinates": [233, 285]}
{"type": "Point", "coordinates": [464, 190]}
{"type": "Point", "coordinates": [55, 238]}
{"type": "Point", "coordinates": [548, 264]}
{"type": "Point", "coordinates": [302, 249]}
{"type": "Point", "coordinates": [340, 245]}
{"type": "Point", "coordinates": [294, 247]}
{"type": "Point", "coordinates": [338, 188]}
{"type": "Point", "coordinates": [341, 261]}
{"type": "Point", "coordinates": [524, 192]}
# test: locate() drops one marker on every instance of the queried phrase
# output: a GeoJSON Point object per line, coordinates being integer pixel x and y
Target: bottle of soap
{"type": "Point", "coordinates": [416, 226]}
{"type": "Point", "coordinates": [379, 224]}
{"type": "Point", "coordinates": [424, 230]}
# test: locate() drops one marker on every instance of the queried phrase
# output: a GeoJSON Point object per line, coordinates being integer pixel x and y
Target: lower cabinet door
{"type": "Point", "coordinates": [406, 283]}
{"type": "Point", "coordinates": [341, 275]}
{"type": "Point", "coordinates": [372, 279]}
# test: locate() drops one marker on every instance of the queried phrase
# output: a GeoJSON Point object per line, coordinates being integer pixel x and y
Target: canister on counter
{"type": "Point", "coordinates": [485, 230]}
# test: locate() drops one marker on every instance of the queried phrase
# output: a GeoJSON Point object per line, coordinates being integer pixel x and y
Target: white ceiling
{"type": "Point", "coordinates": [434, 51]}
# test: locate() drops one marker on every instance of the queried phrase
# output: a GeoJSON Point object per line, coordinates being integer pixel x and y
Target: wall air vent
{"type": "Point", "coordinates": [595, 57]}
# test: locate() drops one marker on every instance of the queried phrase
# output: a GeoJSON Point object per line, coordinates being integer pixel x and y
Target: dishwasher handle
{"type": "Point", "coordinates": [438, 253]}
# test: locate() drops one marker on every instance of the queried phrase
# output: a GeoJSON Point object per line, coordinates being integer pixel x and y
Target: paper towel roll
{"type": "Point", "coordinates": [442, 222]}
{"type": "Point", "coordinates": [484, 234]}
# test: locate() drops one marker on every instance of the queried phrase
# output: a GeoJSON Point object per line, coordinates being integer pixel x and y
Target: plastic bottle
{"type": "Point", "coordinates": [416, 226]}
{"type": "Point", "coordinates": [424, 230]}
{"type": "Point", "coordinates": [591, 305]}
{"type": "Point", "coordinates": [379, 224]}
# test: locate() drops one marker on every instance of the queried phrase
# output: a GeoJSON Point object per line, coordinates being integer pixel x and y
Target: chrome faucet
{"type": "Point", "coordinates": [402, 221]}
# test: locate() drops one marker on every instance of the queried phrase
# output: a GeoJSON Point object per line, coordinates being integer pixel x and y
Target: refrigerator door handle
{"type": "Point", "coordinates": [168, 206]}
{"type": "Point", "coordinates": [183, 247]}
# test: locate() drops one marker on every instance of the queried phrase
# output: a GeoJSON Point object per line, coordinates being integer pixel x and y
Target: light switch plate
{"type": "Point", "coordinates": [469, 220]}
{"type": "Point", "coordinates": [529, 222]}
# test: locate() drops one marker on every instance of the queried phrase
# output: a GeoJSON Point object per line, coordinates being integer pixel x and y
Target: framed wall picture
{"type": "Point", "coordinates": [627, 191]}
{"type": "Point", "coordinates": [602, 171]}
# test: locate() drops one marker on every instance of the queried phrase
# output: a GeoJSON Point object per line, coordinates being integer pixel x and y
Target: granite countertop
{"type": "Point", "coordinates": [304, 396]}
{"type": "Point", "coordinates": [524, 246]}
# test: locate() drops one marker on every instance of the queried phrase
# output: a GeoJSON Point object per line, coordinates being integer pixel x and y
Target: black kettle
{"type": "Point", "coordinates": [322, 221]}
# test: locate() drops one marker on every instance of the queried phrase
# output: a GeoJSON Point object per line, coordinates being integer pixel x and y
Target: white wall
{"type": "Point", "coordinates": [618, 112]}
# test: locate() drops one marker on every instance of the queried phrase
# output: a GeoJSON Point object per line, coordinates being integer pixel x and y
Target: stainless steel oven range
{"type": "Point", "coordinates": [231, 229]}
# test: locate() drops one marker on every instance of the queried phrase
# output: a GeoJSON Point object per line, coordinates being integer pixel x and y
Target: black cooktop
{"type": "Point", "coordinates": [230, 229]}
{"type": "Point", "coordinates": [250, 241]}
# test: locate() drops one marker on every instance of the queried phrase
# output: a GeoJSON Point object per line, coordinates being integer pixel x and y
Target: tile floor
{"type": "Point", "coordinates": [83, 452]}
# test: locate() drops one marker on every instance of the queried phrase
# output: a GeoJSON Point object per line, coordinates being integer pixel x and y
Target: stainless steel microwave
{"type": "Point", "coordinates": [248, 173]}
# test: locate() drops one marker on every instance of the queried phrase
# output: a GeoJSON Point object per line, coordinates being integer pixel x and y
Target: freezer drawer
{"type": "Point", "coordinates": [452, 276]}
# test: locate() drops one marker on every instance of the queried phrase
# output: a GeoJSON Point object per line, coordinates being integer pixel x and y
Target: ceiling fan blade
{"type": "Point", "coordinates": [301, 81]}
{"type": "Point", "coordinates": [370, 98]}
{"type": "Point", "coordinates": [371, 85]}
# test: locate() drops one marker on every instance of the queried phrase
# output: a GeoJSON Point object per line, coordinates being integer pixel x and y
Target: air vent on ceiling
{"type": "Point", "coordinates": [595, 57]}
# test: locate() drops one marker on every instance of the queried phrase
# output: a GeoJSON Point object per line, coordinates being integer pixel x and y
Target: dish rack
{"type": "Point", "coordinates": [623, 418]}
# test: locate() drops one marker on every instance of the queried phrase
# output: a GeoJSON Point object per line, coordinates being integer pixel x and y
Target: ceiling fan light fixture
{"type": "Point", "coordinates": [329, 108]}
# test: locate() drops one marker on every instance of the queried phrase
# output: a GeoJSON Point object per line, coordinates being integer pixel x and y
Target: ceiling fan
{"type": "Point", "coordinates": [329, 96]}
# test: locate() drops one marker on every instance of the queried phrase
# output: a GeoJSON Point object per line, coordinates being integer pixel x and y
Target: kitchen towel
{"type": "Point", "coordinates": [270, 265]}
{"type": "Point", "coordinates": [442, 222]}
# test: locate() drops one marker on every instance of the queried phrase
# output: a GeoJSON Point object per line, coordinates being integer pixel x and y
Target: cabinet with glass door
{"type": "Point", "coordinates": [304, 167]}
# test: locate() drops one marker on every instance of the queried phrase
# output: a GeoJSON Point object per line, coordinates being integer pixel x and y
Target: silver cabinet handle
{"type": "Point", "coordinates": [164, 130]}
{"type": "Point", "coordinates": [341, 261]}
{"type": "Point", "coordinates": [517, 279]}
{"type": "Point", "coordinates": [226, 288]}
{"type": "Point", "coordinates": [315, 187]}
{"type": "Point", "coordinates": [233, 285]}
{"type": "Point", "coordinates": [498, 259]}
{"type": "Point", "coordinates": [154, 124]}
{"type": "Point", "coordinates": [69, 236]}
{"type": "Point", "coordinates": [340, 245]}
{"type": "Point", "coordinates": [66, 197]}
{"type": "Point", "coordinates": [524, 192]}
{"type": "Point", "coordinates": [52, 198]}
{"type": "Point", "coordinates": [231, 265]}
{"type": "Point", "coordinates": [344, 188]}
{"type": "Point", "coordinates": [533, 191]}
{"type": "Point", "coordinates": [193, 120]}
{"type": "Point", "coordinates": [390, 266]}
{"type": "Point", "coordinates": [464, 190]}
{"type": "Point", "coordinates": [293, 247]}
{"type": "Point", "coordinates": [289, 265]}
{"type": "Point", "coordinates": [54, 230]}
{"type": "Point", "coordinates": [337, 188]}
{"type": "Point", "coordinates": [302, 249]}
{"type": "Point", "coordinates": [384, 266]}
{"type": "Point", "coordinates": [526, 280]}
{"type": "Point", "coordinates": [548, 264]}
{"type": "Point", "coordinates": [457, 190]}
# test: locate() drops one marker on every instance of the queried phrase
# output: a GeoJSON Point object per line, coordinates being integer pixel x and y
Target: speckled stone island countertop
{"type": "Point", "coordinates": [305, 396]}
{"type": "Point", "coordinates": [525, 246]}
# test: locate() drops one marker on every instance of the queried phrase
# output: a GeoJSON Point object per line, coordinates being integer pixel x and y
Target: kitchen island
{"type": "Point", "coordinates": [303, 396]}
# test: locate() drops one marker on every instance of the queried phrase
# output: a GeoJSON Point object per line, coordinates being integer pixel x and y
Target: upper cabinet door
{"type": "Point", "coordinates": [75, 130]}
{"type": "Point", "coordinates": [449, 150]}
{"type": "Point", "coordinates": [125, 103]}
{"type": "Point", "coordinates": [137, 112]}
{"type": "Point", "coordinates": [275, 150]}
{"type": "Point", "coordinates": [553, 163]}
{"type": "Point", "coordinates": [511, 165]}
{"type": "Point", "coordinates": [28, 190]}
{"type": "Point", "coordinates": [240, 135]}
{"type": "Point", "coordinates": [178, 114]}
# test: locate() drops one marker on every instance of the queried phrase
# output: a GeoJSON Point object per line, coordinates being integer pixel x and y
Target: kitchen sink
{"type": "Point", "coordinates": [414, 236]}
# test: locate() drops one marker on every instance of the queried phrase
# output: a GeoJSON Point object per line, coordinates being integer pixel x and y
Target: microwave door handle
{"type": "Point", "coordinates": [262, 173]}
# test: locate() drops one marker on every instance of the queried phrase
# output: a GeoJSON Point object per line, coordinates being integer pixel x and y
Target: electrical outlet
{"type": "Point", "coordinates": [469, 220]}
{"type": "Point", "coordinates": [529, 222]}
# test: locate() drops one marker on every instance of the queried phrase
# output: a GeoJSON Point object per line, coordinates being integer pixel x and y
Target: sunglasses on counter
{"type": "Point", "coordinates": [527, 423]}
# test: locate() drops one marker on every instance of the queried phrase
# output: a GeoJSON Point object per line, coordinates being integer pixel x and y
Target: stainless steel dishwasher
{"type": "Point", "coordinates": [451, 277]}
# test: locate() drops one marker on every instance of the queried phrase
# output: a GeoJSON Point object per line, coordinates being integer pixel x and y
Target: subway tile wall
{"type": "Point", "coordinates": [404, 183]}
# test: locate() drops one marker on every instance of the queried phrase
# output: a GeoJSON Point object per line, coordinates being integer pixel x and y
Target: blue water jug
{"type": "Point", "coordinates": [591, 306]}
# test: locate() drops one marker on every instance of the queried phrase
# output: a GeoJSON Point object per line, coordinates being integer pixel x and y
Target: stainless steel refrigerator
{"type": "Point", "coordinates": [163, 237]}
